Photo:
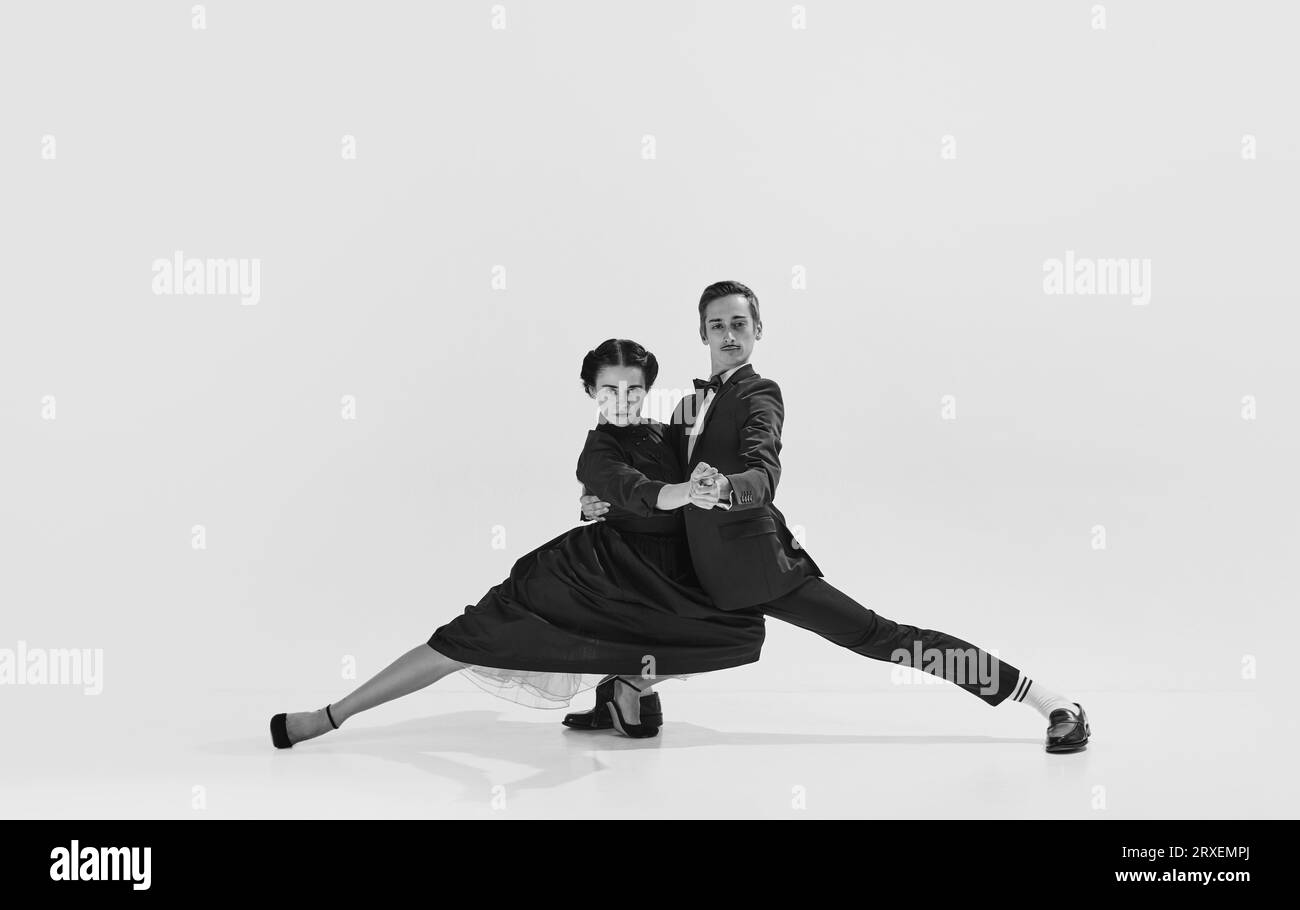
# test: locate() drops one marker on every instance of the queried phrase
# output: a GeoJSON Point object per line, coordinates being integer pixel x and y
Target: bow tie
{"type": "Point", "coordinates": [715, 383]}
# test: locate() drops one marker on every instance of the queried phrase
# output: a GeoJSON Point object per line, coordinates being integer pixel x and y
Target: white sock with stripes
{"type": "Point", "coordinates": [1044, 699]}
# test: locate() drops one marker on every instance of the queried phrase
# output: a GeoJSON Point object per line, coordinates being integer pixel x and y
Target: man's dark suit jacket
{"type": "Point", "coordinates": [745, 555]}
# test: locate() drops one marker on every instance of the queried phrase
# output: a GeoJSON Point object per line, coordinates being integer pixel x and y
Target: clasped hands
{"type": "Point", "coordinates": [707, 487]}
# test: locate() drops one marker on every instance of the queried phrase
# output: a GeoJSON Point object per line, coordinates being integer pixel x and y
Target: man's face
{"type": "Point", "coordinates": [730, 331]}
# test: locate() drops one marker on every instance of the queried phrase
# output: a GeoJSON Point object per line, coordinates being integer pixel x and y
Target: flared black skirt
{"type": "Point", "coordinates": [599, 600]}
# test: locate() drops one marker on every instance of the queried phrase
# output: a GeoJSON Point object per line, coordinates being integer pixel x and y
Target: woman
{"type": "Point", "coordinates": [617, 597]}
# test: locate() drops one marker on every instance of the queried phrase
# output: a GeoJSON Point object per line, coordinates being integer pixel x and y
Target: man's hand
{"type": "Point", "coordinates": [704, 486]}
{"type": "Point", "coordinates": [723, 483]}
{"type": "Point", "coordinates": [704, 475]}
{"type": "Point", "coordinates": [593, 507]}
{"type": "Point", "coordinates": [710, 489]}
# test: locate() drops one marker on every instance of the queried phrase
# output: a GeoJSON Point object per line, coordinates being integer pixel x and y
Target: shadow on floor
{"type": "Point", "coordinates": [559, 755]}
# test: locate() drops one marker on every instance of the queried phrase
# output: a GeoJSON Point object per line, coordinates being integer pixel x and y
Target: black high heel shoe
{"type": "Point", "coordinates": [280, 733]}
{"type": "Point", "coordinates": [635, 731]}
{"type": "Point", "coordinates": [652, 712]}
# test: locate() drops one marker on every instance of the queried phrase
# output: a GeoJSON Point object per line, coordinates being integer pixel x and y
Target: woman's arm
{"type": "Point", "coordinates": [674, 496]}
{"type": "Point", "coordinates": [604, 470]}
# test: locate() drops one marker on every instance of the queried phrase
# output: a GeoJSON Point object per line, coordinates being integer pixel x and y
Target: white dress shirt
{"type": "Point", "coordinates": [699, 424]}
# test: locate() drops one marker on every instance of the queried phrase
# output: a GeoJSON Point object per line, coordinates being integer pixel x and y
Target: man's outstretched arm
{"type": "Point", "coordinates": [760, 450]}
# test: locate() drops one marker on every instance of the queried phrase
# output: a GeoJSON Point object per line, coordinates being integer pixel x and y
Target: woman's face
{"type": "Point", "coordinates": [619, 393]}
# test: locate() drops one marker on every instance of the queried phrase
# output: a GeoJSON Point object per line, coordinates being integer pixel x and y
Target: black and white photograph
{"type": "Point", "coordinates": [730, 410]}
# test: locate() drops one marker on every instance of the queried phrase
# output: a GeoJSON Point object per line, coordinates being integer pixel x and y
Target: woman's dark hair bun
{"type": "Point", "coordinates": [618, 352]}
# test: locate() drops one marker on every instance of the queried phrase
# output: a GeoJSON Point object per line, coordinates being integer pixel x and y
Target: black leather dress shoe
{"type": "Point", "coordinates": [598, 718]}
{"type": "Point", "coordinates": [1068, 731]}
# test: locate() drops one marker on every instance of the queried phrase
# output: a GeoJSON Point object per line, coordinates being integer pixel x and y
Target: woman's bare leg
{"type": "Point", "coordinates": [417, 668]}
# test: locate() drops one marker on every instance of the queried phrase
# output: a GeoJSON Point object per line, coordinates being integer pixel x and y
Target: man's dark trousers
{"type": "Point", "coordinates": [819, 607]}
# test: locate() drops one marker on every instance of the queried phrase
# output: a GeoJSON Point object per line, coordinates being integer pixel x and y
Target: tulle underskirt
{"type": "Point", "coordinates": [539, 690]}
{"type": "Point", "coordinates": [592, 602]}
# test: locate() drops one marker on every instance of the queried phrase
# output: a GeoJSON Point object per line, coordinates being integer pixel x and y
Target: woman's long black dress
{"type": "Point", "coordinates": [618, 596]}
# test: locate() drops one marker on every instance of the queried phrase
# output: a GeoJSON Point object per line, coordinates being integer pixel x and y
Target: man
{"type": "Point", "coordinates": [729, 439]}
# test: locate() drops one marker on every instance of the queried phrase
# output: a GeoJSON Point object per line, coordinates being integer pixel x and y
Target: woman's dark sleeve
{"type": "Point", "coordinates": [603, 467]}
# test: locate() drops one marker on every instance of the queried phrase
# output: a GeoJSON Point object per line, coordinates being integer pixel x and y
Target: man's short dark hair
{"type": "Point", "coordinates": [726, 289]}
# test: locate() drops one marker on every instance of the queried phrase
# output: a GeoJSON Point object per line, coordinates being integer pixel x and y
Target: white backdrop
{"type": "Point", "coordinates": [449, 204]}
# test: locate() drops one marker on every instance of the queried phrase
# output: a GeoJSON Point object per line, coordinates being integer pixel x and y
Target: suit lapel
{"type": "Point", "coordinates": [743, 373]}
{"type": "Point", "coordinates": [713, 409]}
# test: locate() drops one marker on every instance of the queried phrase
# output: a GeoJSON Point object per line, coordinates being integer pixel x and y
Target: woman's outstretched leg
{"type": "Point", "coordinates": [417, 668]}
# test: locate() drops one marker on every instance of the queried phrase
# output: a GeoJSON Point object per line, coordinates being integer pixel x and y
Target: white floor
{"type": "Point", "coordinates": [932, 753]}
